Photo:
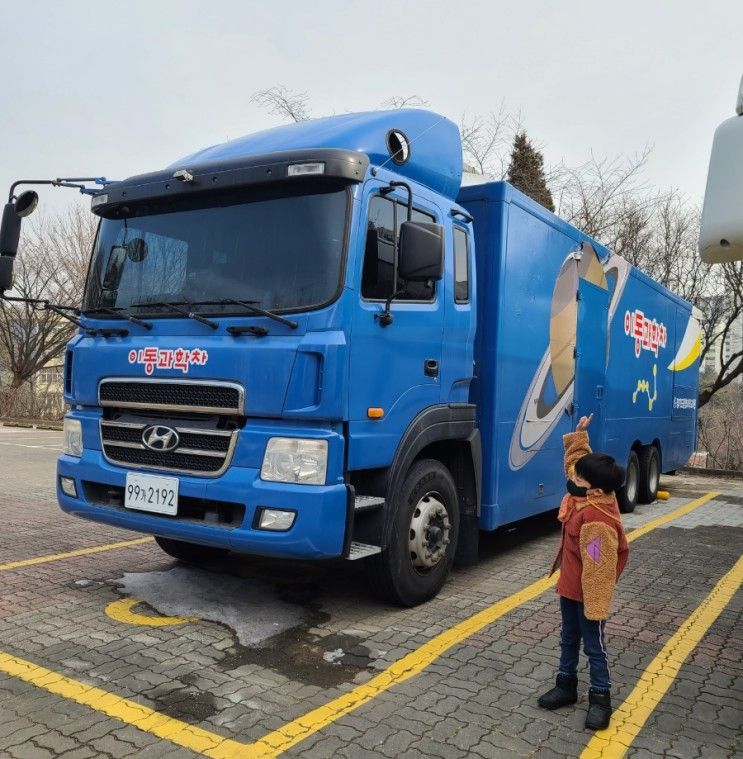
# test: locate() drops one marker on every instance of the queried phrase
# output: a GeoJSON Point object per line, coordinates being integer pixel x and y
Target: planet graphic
{"type": "Point", "coordinates": [539, 417]}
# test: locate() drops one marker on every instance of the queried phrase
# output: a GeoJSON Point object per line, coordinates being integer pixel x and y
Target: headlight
{"type": "Point", "coordinates": [290, 459]}
{"type": "Point", "coordinates": [73, 437]}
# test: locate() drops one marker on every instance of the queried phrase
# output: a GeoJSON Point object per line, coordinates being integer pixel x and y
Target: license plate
{"type": "Point", "coordinates": [146, 492]}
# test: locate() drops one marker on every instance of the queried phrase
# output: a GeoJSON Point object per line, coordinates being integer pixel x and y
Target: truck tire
{"type": "Point", "coordinates": [191, 553]}
{"type": "Point", "coordinates": [649, 474]}
{"type": "Point", "coordinates": [627, 495]}
{"type": "Point", "coordinates": [416, 563]}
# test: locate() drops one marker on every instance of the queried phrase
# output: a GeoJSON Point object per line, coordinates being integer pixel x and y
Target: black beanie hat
{"type": "Point", "coordinates": [601, 471]}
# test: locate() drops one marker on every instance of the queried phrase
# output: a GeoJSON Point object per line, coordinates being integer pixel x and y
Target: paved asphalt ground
{"type": "Point", "coordinates": [109, 648]}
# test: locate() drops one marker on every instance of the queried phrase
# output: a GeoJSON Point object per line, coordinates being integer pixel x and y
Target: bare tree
{"type": "Point", "coordinates": [283, 102]}
{"type": "Point", "coordinates": [728, 310]}
{"type": "Point", "coordinates": [487, 141]}
{"type": "Point", "coordinates": [597, 195]}
{"type": "Point", "coordinates": [51, 264]}
{"type": "Point", "coordinates": [721, 430]}
{"type": "Point", "coordinates": [405, 101]}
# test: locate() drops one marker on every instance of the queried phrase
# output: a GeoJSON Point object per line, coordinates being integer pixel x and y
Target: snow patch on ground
{"type": "Point", "coordinates": [249, 607]}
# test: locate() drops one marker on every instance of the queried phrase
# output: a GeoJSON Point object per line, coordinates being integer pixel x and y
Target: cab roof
{"type": "Point", "coordinates": [433, 154]}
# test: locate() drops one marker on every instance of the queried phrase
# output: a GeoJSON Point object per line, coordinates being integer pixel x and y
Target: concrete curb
{"type": "Point", "coordinates": [29, 426]}
{"type": "Point", "coordinates": [733, 473]}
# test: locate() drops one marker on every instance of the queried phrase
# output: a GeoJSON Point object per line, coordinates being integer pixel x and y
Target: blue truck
{"type": "Point", "coordinates": [315, 342]}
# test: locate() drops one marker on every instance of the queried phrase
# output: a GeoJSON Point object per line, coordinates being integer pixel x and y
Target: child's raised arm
{"type": "Point", "coordinates": [576, 444]}
{"type": "Point", "coordinates": [583, 423]}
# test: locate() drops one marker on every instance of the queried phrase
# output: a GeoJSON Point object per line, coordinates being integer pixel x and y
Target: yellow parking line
{"type": "Point", "coordinates": [121, 611]}
{"type": "Point", "coordinates": [72, 554]}
{"type": "Point", "coordinates": [278, 741]}
{"type": "Point", "coordinates": [125, 710]}
{"type": "Point", "coordinates": [628, 720]}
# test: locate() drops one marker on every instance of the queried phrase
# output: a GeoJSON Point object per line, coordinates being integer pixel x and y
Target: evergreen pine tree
{"type": "Point", "coordinates": [526, 171]}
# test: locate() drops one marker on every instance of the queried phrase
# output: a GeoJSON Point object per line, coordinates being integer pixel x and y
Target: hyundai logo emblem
{"type": "Point", "coordinates": [158, 437]}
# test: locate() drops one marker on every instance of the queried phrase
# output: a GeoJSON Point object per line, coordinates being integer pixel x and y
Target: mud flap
{"type": "Point", "coordinates": [467, 553]}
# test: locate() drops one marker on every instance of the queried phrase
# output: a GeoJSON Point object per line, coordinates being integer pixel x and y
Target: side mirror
{"type": "Point", "coordinates": [421, 254]}
{"type": "Point", "coordinates": [115, 268]}
{"type": "Point", "coordinates": [10, 231]}
{"type": "Point", "coordinates": [26, 203]}
{"type": "Point", "coordinates": [721, 233]}
{"type": "Point", "coordinates": [6, 273]}
{"type": "Point", "coordinates": [13, 212]}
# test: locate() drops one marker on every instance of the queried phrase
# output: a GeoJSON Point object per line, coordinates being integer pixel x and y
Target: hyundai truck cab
{"type": "Point", "coordinates": [262, 359]}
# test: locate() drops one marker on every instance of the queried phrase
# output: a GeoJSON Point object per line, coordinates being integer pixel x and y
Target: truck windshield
{"type": "Point", "coordinates": [280, 248]}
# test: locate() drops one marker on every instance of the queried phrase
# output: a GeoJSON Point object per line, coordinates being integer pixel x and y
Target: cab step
{"type": "Point", "coordinates": [362, 550]}
{"type": "Point", "coordinates": [367, 503]}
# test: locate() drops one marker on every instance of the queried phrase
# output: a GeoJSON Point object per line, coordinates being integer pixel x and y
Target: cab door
{"type": "Point", "coordinates": [394, 368]}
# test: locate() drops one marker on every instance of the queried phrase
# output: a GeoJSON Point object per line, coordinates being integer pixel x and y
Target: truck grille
{"type": "Point", "coordinates": [205, 452]}
{"type": "Point", "coordinates": [173, 395]}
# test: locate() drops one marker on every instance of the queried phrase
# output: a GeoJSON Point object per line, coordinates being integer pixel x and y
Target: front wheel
{"type": "Point", "coordinates": [414, 566]}
{"type": "Point", "coordinates": [649, 474]}
{"type": "Point", "coordinates": [627, 495]}
{"type": "Point", "coordinates": [191, 553]}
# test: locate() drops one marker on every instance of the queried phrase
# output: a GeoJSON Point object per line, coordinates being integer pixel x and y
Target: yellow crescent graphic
{"type": "Point", "coordinates": [690, 348]}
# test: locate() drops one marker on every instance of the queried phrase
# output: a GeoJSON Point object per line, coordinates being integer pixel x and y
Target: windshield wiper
{"type": "Point", "coordinates": [177, 307]}
{"type": "Point", "coordinates": [117, 312]}
{"type": "Point", "coordinates": [250, 306]}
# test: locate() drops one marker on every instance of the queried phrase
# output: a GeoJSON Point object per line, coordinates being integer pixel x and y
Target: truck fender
{"type": "Point", "coordinates": [437, 425]}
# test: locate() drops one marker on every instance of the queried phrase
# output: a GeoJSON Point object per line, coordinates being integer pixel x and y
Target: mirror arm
{"type": "Point", "coordinates": [406, 187]}
{"type": "Point", "coordinates": [45, 305]}
{"type": "Point", "coordinates": [62, 182]}
{"type": "Point", "coordinates": [385, 317]}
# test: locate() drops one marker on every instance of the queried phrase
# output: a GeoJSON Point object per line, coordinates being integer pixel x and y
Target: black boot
{"type": "Point", "coordinates": [565, 692]}
{"type": "Point", "coordinates": [599, 710]}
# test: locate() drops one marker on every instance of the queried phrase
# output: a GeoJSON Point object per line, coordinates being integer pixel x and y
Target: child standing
{"type": "Point", "coordinates": [593, 552]}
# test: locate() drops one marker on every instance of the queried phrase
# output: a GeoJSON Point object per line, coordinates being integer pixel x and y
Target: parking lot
{"type": "Point", "coordinates": [110, 648]}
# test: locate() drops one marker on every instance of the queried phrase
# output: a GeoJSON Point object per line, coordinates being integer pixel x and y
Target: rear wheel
{"type": "Point", "coordinates": [627, 495]}
{"type": "Point", "coordinates": [191, 553]}
{"type": "Point", "coordinates": [649, 460]}
{"type": "Point", "coordinates": [415, 564]}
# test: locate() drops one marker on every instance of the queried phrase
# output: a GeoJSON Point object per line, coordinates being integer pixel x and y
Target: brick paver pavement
{"type": "Point", "coordinates": [476, 700]}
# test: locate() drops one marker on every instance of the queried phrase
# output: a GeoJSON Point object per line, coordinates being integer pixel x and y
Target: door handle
{"type": "Point", "coordinates": [431, 367]}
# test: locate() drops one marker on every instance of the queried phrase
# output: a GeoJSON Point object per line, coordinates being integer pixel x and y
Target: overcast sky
{"type": "Point", "coordinates": [122, 88]}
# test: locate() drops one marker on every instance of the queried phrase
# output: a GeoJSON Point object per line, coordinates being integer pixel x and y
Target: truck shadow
{"type": "Point", "coordinates": [518, 534]}
{"type": "Point", "coordinates": [307, 581]}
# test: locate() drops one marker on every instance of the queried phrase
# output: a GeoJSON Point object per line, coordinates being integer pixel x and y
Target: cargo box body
{"type": "Point", "coordinates": [566, 328]}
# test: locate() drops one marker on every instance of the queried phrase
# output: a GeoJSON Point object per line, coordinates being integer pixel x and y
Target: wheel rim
{"type": "Point", "coordinates": [632, 477]}
{"type": "Point", "coordinates": [429, 533]}
{"type": "Point", "coordinates": [653, 475]}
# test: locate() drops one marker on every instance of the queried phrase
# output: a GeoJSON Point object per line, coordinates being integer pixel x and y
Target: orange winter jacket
{"type": "Point", "coordinates": [593, 547]}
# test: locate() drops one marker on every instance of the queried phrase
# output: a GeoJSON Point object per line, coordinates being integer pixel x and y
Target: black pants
{"type": "Point", "coordinates": [575, 627]}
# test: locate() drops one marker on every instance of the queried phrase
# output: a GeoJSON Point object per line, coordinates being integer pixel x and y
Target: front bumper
{"type": "Point", "coordinates": [319, 530]}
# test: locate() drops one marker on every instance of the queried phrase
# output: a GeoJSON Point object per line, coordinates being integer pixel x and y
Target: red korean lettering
{"type": "Point", "coordinates": [148, 357]}
{"type": "Point", "coordinates": [165, 359]}
{"type": "Point", "coordinates": [180, 360]}
{"type": "Point", "coordinates": [638, 324]}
